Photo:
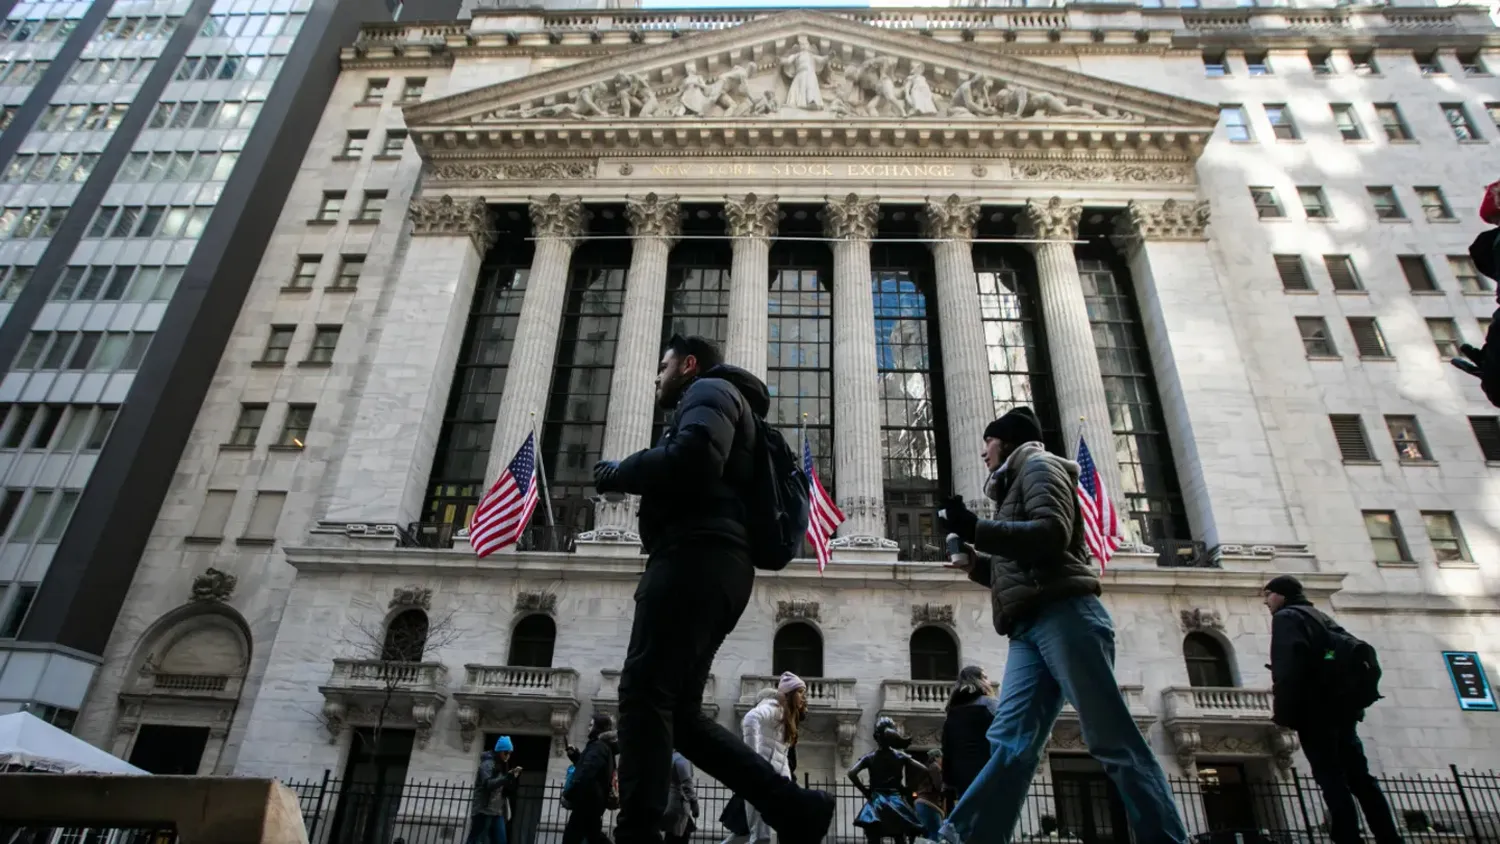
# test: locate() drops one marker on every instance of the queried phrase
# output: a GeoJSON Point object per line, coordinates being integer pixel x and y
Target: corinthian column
{"type": "Point", "coordinates": [655, 223]}
{"type": "Point", "coordinates": [966, 371]}
{"type": "Point", "coordinates": [556, 222]}
{"type": "Point", "coordinates": [1081, 404]}
{"type": "Point", "coordinates": [388, 450]}
{"type": "Point", "coordinates": [752, 224]}
{"type": "Point", "coordinates": [851, 221]}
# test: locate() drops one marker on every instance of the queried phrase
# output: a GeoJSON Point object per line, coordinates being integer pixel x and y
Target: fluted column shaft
{"type": "Point", "coordinates": [752, 224]}
{"type": "Point", "coordinates": [655, 223]}
{"type": "Point", "coordinates": [856, 396]}
{"type": "Point", "coordinates": [557, 223]}
{"type": "Point", "coordinates": [1081, 404]}
{"type": "Point", "coordinates": [966, 371]}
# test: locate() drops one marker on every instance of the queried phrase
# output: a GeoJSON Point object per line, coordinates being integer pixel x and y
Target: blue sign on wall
{"type": "Point", "coordinates": [1469, 681]}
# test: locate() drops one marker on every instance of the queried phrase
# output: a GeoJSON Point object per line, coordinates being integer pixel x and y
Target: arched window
{"type": "Point", "coordinates": [531, 642]}
{"type": "Point", "coordinates": [405, 637]}
{"type": "Point", "coordinates": [934, 654]}
{"type": "Point", "coordinates": [799, 649]}
{"type": "Point", "coordinates": [1207, 663]}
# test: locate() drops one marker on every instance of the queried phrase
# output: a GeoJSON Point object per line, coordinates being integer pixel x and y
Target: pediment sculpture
{"type": "Point", "coordinates": [806, 82]}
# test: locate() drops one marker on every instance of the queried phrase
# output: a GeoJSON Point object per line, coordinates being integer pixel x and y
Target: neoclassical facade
{"type": "Point", "coordinates": [905, 222]}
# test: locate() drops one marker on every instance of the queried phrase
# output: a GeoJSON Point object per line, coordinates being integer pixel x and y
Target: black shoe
{"type": "Point", "coordinates": [810, 822]}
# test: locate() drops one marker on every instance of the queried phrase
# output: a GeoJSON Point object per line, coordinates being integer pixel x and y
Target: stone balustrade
{"type": "Point", "coordinates": [520, 680]}
{"type": "Point", "coordinates": [1214, 703]}
{"type": "Point", "coordinates": [608, 697]}
{"type": "Point", "coordinates": [914, 697]}
{"type": "Point", "coordinates": [822, 692]}
{"type": "Point", "coordinates": [379, 674]}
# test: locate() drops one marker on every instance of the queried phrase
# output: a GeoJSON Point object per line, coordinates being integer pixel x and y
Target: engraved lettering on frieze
{"type": "Point", "coordinates": [801, 170]}
{"type": "Point", "coordinates": [1199, 618]}
{"type": "Point", "coordinates": [419, 597]}
{"type": "Point", "coordinates": [931, 614]}
{"type": "Point", "coordinates": [803, 610]}
{"type": "Point", "coordinates": [214, 585]}
{"type": "Point", "coordinates": [492, 171]}
{"type": "Point", "coordinates": [543, 602]}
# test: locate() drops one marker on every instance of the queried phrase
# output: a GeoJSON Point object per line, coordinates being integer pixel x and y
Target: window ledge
{"type": "Point", "coordinates": [346, 158]}
{"type": "Point", "coordinates": [1396, 564]}
{"type": "Point", "coordinates": [284, 448]}
{"type": "Point", "coordinates": [385, 157]}
{"type": "Point", "coordinates": [1324, 357]}
{"type": "Point", "coordinates": [1411, 141]}
{"type": "Point", "coordinates": [1394, 219]}
{"type": "Point", "coordinates": [369, 104]}
{"type": "Point", "coordinates": [1281, 219]}
{"type": "Point", "coordinates": [1484, 293]}
{"type": "Point", "coordinates": [1457, 564]}
{"type": "Point", "coordinates": [202, 540]}
{"type": "Point", "coordinates": [1475, 141]}
{"type": "Point", "coordinates": [1351, 292]}
{"type": "Point", "coordinates": [1291, 140]}
{"type": "Point", "coordinates": [1418, 463]}
{"type": "Point", "coordinates": [343, 288]}
{"type": "Point", "coordinates": [1425, 292]}
{"type": "Point", "coordinates": [1378, 358]}
{"type": "Point", "coordinates": [235, 447]}
{"type": "Point", "coordinates": [292, 288]}
{"type": "Point", "coordinates": [1322, 219]}
{"type": "Point", "coordinates": [1300, 292]}
{"type": "Point", "coordinates": [1442, 219]}
{"type": "Point", "coordinates": [314, 221]}
{"type": "Point", "coordinates": [1357, 141]}
{"type": "Point", "coordinates": [254, 541]}
{"type": "Point", "coordinates": [1361, 462]}
{"type": "Point", "coordinates": [315, 364]}
{"type": "Point", "coordinates": [364, 221]}
{"type": "Point", "coordinates": [267, 364]}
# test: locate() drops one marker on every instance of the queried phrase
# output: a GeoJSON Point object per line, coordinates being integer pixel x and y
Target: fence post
{"type": "Point", "coordinates": [1307, 824]}
{"type": "Point", "coordinates": [312, 828]}
{"type": "Point", "coordinates": [1463, 798]}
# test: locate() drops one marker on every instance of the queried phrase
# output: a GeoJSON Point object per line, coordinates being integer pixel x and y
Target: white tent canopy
{"type": "Point", "coordinates": [29, 741]}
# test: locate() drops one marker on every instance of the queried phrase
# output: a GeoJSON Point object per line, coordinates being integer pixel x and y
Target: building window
{"type": "Point", "coordinates": [306, 271]}
{"type": "Point", "coordinates": [1486, 433]}
{"type": "Point", "coordinates": [1354, 446]}
{"type": "Point", "coordinates": [372, 206]}
{"type": "Point", "coordinates": [1387, 206]}
{"type": "Point", "coordinates": [265, 513]}
{"type": "Point", "coordinates": [1282, 125]}
{"type": "Point", "coordinates": [1019, 373]}
{"type": "Point", "coordinates": [532, 642]}
{"type": "Point", "coordinates": [1341, 271]}
{"type": "Point", "coordinates": [1447, 539]}
{"type": "Point", "coordinates": [332, 204]}
{"type": "Point", "coordinates": [277, 343]}
{"type": "Point", "coordinates": [1469, 278]}
{"type": "Point", "coordinates": [1236, 123]}
{"type": "Point", "coordinates": [1494, 112]}
{"type": "Point", "coordinates": [1348, 122]}
{"type": "Point", "coordinates": [934, 655]}
{"type": "Point", "coordinates": [1314, 203]}
{"type": "Point", "coordinates": [1207, 663]}
{"type": "Point", "coordinates": [32, 516]}
{"type": "Point", "coordinates": [1458, 120]}
{"type": "Point", "coordinates": [375, 91]}
{"type": "Point", "coordinates": [1472, 63]}
{"type": "Point", "coordinates": [294, 428]}
{"type": "Point", "coordinates": [350, 268]}
{"type": "Point", "coordinates": [1368, 338]}
{"type": "Point", "coordinates": [1445, 336]}
{"type": "Point", "coordinates": [798, 648]}
{"type": "Point", "coordinates": [247, 427]}
{"type": "Point", "coordinates": [1392, 121]}
{"type": "Point", "coordinates": [325, 340]}
{"type": "Point", "coordinates": [412, 88]}
{"type": "Point", "coordinates": [1407, 438]}
{"type": "Point", "coordinates": [1293, 274]}
{"type": "Point", "coordinates": [1153, 499]}
{"type": "Point", "coordinates": [1256, 64]}
{"type": "Point", "coordinates": [1266, 205]}
{"type": "Point", "coordinates": [1418, 275]}
{"type": "Point", "coordinates": [1434, 206]}
{"type": "Point", "coordinates": [395, 140]}
{"type": "Point", "coordinates": [354, 143]}
{"type": "Point", "coordinates": [1315, 338]}
{"type": "Point", "coordinates": [20, 424]}
{"type": "Point", "coordinates": [405, 637]}
{"type": "Point", "coordinates": [799, 355]}
{"type": "Point", "coordinates": [698, 294]}
{"type": "Point", "coordinates": [1364, 62]}
{"type": "Point", "coordinates": [8, 507]}
{"type": "Point", "coordinates": [1385, 537]}
{"type": "Point", "coordinates": [1321, 61]}
{"type": "Point", "coordinates": [1428, 63]}
{"type": "Point", "coordinates": [1214, 64]}
{"type": "Point", "coordinates": [16, 615]}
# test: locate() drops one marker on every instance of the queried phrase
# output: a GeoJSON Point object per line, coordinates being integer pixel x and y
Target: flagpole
{"type": "Point", "coordinates": [541, 472]}
{"type": "Point", "coordinates": [807, 444]}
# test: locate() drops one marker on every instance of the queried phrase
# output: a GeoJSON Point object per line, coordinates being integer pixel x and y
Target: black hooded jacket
{"type": "Point", "coordinates": [693, 481]}
{"type": "Point", "coordinates": [1298, 638]}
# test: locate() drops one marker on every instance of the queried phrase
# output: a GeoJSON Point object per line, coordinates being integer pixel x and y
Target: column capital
{"type": "Point", "coordinates": [853, 217]}
{"type": "Point", "coordinates": [654, 216]}
{"type": "Point", "coordinates": [557, 216]}
{"type": "Point", "coordinates": [950, 219]}
{"type": "Point", "coordinates": [751, 215]}
{"type": "Point", "coordinates": [1053, 219]}
{"type": "Point", "coordinates": [446, 216]}
{"type": "Point", "coordinates": [1168, 220]}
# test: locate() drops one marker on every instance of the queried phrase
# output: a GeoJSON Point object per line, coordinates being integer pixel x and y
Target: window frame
{"type": "Point", "coordinates": [1242, 124]}
{"type": "Point", "coordinates": [322, 349]}
{"type": "Point", "coordinates": [1319, 324]}
{"type": "Point", "coordinates": [1413, 265]}
{"type": "Point", "coordinates": [1463, 125]}
{"type": "Point", "coordinates": [1393, 210]}
{"type": "Point", "coordinates": [1319, 208]}
{"type": "Point", "coordinates": [247, 425]}
{"type": "Point", "coordinates": [1455, 536]}
{"type": "Point", "coordinates": [274, 353]}
{"type": "Point", "coordinates": [1411, 436]}
{"type": "Point", "coordinates": [1283, 124]}
{"type": "Point", "coordinates": [1347, 270]}
{"type": "Point", "coordinates": [1397, 536]}
{"type": "Point", "coordinates": [1353, 433]}
{"type": "Point", "coordinates": [355, 141]}
{"type": "Point", "coordinates": [331, 207]}
{"type": "Point", "coordinates": [298, 419]}
{"type": "Point", "coordinates": [1434, 324]}
{"type": "Point", "coordinates": [1374, 335]}
{"type": "Point", "coordinates": [1342, 111]}
{"type": "Point", "coordinates": [1430, 198]}
{"type": "Point", "coordinates": [1259, 192]}
{"type": "Point", "coordinates": [1397, 130]}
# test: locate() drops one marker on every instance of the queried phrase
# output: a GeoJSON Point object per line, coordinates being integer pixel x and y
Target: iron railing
{"type": "Point", "coordinates": [1457, 808]}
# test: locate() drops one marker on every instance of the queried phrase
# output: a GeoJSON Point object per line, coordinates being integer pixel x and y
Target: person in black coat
{"type": "Point", "coordinates": [966, 749]}
{"type": "Point", "coordinates": [591, 792]}
{"type": "Point", "coordinates": [1299, 640]}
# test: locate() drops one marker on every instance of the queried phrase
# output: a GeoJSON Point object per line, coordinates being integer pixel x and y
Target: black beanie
{"type": "Point", "coordinates": [1286, 586]}
{"type": "Point", "coordinates": [1018, 425]}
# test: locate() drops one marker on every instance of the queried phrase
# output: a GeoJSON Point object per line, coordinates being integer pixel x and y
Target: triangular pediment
{"type": "Point", "coordinates": [810, 72]}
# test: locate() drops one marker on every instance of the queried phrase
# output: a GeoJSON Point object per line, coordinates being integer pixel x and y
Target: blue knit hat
{"type": "Point", "coordinates": [503, 745]}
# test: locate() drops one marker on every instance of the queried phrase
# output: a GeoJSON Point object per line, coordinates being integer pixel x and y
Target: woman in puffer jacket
{"type": "Point", "coordinates": [770, 729]}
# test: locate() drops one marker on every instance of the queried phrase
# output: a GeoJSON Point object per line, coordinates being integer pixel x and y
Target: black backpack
{"type": "Point", "coordinates": [777, 502]}
{"type": "Point", "coordinates": [1349, 671]}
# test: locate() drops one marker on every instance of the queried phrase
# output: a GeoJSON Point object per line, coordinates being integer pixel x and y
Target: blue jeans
{"type": "Point", "coordinates": [1067, 651]}
{"type": "Point", "coordinates": [486, 829]}
{"type": "Point", "coordinates": [931, 818]}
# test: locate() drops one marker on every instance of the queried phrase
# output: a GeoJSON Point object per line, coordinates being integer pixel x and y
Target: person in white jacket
{"type": "Point", "coordinates": [770, 729]}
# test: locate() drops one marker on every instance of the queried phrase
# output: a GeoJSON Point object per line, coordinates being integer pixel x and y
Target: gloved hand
{"type": "Point", "coordinates": [956, 518]}
{"type": "Point", "coordinates": [606, 476]}
{"type": "Point", "coordinates": [1484, 364]}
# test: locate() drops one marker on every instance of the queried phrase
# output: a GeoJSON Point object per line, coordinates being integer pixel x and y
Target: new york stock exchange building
{"type": "Point", "coordinates": [1224, 246]}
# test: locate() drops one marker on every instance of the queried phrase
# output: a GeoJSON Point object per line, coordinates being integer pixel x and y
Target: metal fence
{"type": "Point", "coordinates": [1461, 808]}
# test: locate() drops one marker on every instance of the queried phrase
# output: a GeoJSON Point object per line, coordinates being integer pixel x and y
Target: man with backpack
{"type": "Point", "coordinates": [1322, 679]}
{"type": "Point", "coordinates": [590, 791]}
{"type": "Point", "coordinates": [717, 499]}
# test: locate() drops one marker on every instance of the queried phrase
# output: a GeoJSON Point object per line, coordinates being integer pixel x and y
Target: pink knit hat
{"type": "Point", "coordinates": [789, 683]}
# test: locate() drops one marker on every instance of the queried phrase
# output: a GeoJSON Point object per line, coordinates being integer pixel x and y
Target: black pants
{"type": "Point", "coordinates": [1338, 764]}
{"type": "Point", "coordinates": [584, 826]}
{"type": "Point", "coordinates": [685, 605]}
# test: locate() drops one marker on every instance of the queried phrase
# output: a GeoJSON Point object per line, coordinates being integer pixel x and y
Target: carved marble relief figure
{"type": "Point", "coordinates": [803, 67]}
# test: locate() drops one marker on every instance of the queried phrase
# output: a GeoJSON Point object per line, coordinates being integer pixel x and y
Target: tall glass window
{"type": "Point", "coordinates": [799, 355]}
{"type": "Point", "coordinates": [1153, 499]}
{"type": "Point", "coordinates": [1019, 372]}
{"type": "Point", "coordinates": [573, 430]}
{"type": "Point", "coordinates": [698, 291]}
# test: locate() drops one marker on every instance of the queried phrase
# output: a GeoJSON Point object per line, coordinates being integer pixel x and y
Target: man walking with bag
{"type": "Point", "coordinates": [697, 488]}
{"type": "Point", "coordinates": [1321, 681]}
{"type": "Point", "coordinates": [1045, 597]}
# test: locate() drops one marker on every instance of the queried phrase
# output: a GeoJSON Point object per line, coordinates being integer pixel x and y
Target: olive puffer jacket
{"type": "Point", "coordinates": [1032, 552]}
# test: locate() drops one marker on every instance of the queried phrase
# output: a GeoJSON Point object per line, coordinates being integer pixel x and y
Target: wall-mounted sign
{"type": "Point", "coordinates": [1469, 681]}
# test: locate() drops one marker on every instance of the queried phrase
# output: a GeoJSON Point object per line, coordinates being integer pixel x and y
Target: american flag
{"type": "Point", "coordinates": [824, 516]}
{"type": "Point", "coordinates": [506, 509]}
{"type": "Point", "coordinates": [1101, 524]}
